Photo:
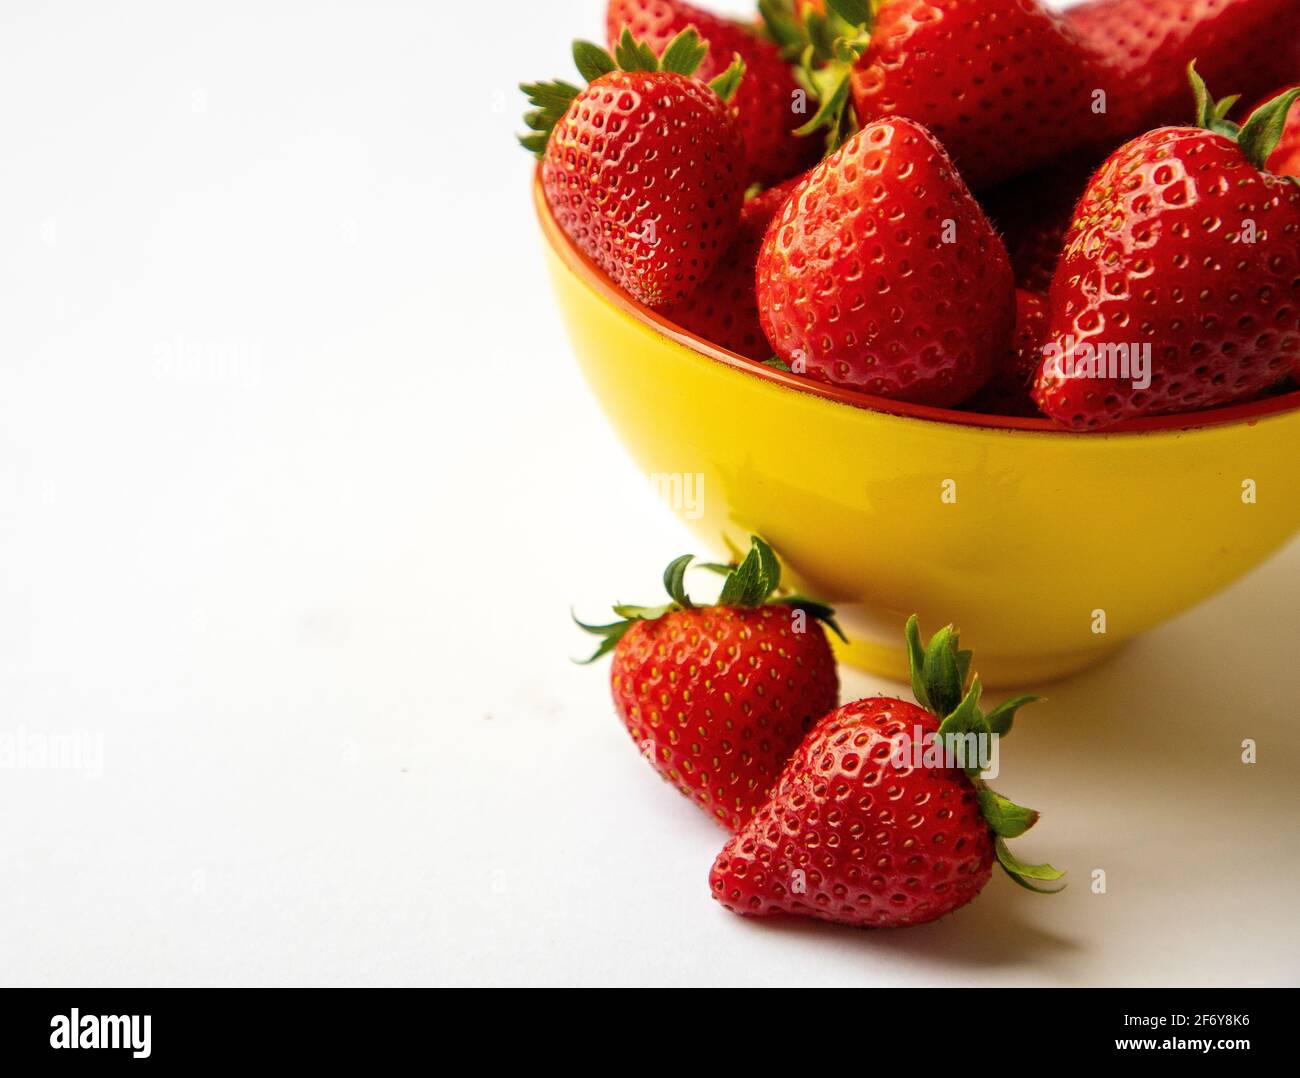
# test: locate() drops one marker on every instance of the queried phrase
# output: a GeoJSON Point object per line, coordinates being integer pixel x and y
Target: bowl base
{"type": "Point", "coordinates": [1010, 672]}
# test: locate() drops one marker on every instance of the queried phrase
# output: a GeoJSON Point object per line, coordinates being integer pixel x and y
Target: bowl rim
{"type": "Point", "coordinates": [594, 278]}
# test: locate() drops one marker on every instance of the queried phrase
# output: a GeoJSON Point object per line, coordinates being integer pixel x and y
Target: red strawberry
{"type": "Point", "coordinates": [1009, 391]}
{"type": "Point", "coordinates": [1285, 159]}
{"type": "Point", "coordinates": [1184, 254]}
{"type": "Point", "coordinates": [645, 168]}
{"type": "Point", "coordinates": [764, 103]}
{"type": "Point", "coordinates": [764, 205]}
{"type": "Point", "coordinates": [1005, 85]}
{"type": "Point", "coordinates": [871, 822]}
{"type": "Point", "coordinates": [1033, 214]}
{"type": "Point", "coordinates": [719, 696]}
{"type": "Point", "coordinates": [1245, 45]}
{"type": "Point", "coordinates": [725, 310]}
{"type": "Point", "coordinates": [882, 273]}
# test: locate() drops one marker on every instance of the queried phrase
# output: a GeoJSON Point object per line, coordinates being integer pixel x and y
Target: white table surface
{"type": "Point", "coordinates": [298, 483]}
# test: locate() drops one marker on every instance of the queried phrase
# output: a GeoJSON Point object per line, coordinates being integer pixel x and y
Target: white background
{"type": "Point", "coordinates": [298, 484]}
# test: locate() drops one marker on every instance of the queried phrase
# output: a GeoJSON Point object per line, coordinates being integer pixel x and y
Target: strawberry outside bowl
{"type": "Point", "coordinates": [1048, 549]}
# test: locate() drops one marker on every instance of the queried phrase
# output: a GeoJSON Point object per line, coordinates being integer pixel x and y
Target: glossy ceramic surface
{"type": "Point", "coordinates": [1029, 538]}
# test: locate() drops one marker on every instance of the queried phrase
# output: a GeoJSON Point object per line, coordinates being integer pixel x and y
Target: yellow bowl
{"type": "Point", "coordinates": [1048, 549]}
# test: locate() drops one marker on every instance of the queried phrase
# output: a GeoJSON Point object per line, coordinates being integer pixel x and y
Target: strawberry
{"type": "Point", "coordinates": [719, 696]}
{"type": "Point", "coordinates": [1009, 391]}
{"type": "Point", "coordinates": [767, 96]}
{"type": "Point", "coordinates": [1179, 287]}
{"type": "Point", "coordinates": [1285, 158]}
{"type": "Point", "coordinates": [881, 273]}
{"type": "Point", "coordinates": [1005, 85]}
{"type": "Point", "coordinates": [725, 310]}
{"type": "Point", "coordinates": [1246, 45]}
{"type": "Point", "coordinates": [881, 819]}
{"type": "Point", "coordinates": [644, 169]}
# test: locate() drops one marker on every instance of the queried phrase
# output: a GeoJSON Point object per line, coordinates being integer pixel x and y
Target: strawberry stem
{"type": "Point", "coordinates": [938, 673]}
{"type": "Point", "coordinates": [1263, 129]}
{"type": "Point", "coordinates": [825, 48]}
{"type": "Point", "coordinates": [726, 84]}
{"type": "Point", "coordinates": [749, 585]}
{"type": "Point", "coordinates": [1259, 135]}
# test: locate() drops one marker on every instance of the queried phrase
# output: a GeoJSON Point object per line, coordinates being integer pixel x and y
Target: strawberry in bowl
{"type": "Point", "coordinates": [856, 367]}
{"type": "Point", "coordinates": [645, 167]}
{"type": "Point", "coordinates": [1179, 285]}
{"type": "Point", "coordinates": [881, 273]}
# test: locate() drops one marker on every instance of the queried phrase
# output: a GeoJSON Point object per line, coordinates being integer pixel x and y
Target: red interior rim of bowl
{"type": "Point", "coordinates": [594, 278]}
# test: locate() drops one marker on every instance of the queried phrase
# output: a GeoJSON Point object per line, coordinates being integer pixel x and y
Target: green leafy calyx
{"type": "Point", "coordinates": [753, 582]}
{"type": "Point", "coordinates": [824, 49]}
{"type": "Point", "coordinates": [939, 674]}
{"type": "Point", "coordinates": [1259, 135]}
{"type": "Point", "coordinates": [682, 56]}
{"type": "Point", "coordinates": [1030, 877]}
